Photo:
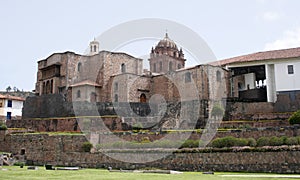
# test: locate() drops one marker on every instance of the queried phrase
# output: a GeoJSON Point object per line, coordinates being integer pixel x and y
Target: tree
{"type": "Point", "coordinates": [8, 89]}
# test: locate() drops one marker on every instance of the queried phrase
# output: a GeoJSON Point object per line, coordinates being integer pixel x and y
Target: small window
{"type": "Point", "coordinates": [9, 103]}
{"type": "Point", "coordinates": [95, 48]}
{"type": "Point", "coordinates": [23, 151]}
{"type": "Point", "coordinates": [188, 77]}
{"type": "Point", "coordinates": [8, 115]}
{"type": "Point", "coordinates": [290, 69]}
{"type": "Point", "coordinates": [123, 68]}
{"type": "Point", "coordinates": [78, 94]}
{"type": "Point", "coordinates": [218, 74]}
{"type": "Point", "coordinates": [79, 67]}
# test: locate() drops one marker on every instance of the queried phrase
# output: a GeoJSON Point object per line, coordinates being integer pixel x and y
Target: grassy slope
{"type": "Point", "coordinates": [17, 173]}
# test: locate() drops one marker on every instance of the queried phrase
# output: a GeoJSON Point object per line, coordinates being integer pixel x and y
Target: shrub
{"type": "Point", "coordinates": [3, 126]}
{"type": "Point", "coordinates": [87, 146]}
{"type": "Point", "coordinates": [190, 144]}
{"type": "Point", "coordinates": [263, 141]}
{"type": "Point", "coordinates": [291, 141]}
{"type": "Point", "coordinates": [298, 138]}
{"type": "Point", "coordinates": [295, 118]}
{"type": "Point", "coordinates": [241, 142]}
{"type": "Point", "coordinates": [276, 141]}
{"type": "Point", "coordinates": [145, 140]}
{"type": "Point", "coordinates": [284, 139]}
{"type": "Point", "coordinates": [251, 142]}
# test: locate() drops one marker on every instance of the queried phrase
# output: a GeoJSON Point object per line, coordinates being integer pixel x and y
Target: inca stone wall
{"type": "Point", "coordinates": [66, 150]}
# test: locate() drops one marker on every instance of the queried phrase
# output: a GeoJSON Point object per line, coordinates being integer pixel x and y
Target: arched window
{"type": "Point", "coordinates": [170, 66]}
{"type": "Point", "coordinates": [143, 98]}
{"type": "Point", "coordinates": [116, 98]}
{"type": "Point", "coordinates": [78, 94]}
{"type": "Point", "coordinates": [95, 48]}
{"type": "Point", "coordinates": [51, 87]}
{"type": "Point", "coordinates": [160, 66]}
{"type": "Point", "coordinates": [218, 74]}
{"type": "Point", "coordinates": [187, 77]}
{"type": "Point", "coordinates": [91, 50]}
{"type": "Point", "coordinates": [79, 67]}
{"type": "Point", "coordinates": [154, 67]}
{"type": "Point", "coordinates": [123, 68]}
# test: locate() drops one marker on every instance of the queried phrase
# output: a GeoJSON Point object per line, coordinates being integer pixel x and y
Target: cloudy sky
{"type": "Point", "coordinates": [32, 30]}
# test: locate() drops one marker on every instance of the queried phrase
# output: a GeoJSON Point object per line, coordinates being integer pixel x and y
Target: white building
{"type": "Point", "coordinates": [10, 107]}
{"type": "Point", "coordinates": [264, 75]}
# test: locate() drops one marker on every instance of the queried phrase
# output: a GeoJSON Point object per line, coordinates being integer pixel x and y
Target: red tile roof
{"type": "Point", "coordinates": [12, 97]}
{"type": "Point", "coordinates": [260, 56]}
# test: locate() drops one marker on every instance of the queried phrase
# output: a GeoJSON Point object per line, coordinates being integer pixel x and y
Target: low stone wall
{"type": "Point", "coordinates": [65, 150]}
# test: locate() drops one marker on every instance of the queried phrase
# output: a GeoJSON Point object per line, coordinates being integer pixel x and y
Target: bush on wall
{"type": "Point", "coordinates": [295, 118]}
{"type": "Point", "coordinates": [87, 146]}
{"type": "Point", "coordinates": [3, 126]}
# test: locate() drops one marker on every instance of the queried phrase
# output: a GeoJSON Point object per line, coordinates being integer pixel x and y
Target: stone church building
{"type": "Point", "coordinates": [103, 76]}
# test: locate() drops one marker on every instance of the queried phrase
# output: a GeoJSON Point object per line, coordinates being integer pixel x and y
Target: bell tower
{"type": "Point", "coordinates": [94, 47]}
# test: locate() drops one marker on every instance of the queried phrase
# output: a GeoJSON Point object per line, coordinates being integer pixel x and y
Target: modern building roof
{"type": "Point", "coordinates": [261, 56]}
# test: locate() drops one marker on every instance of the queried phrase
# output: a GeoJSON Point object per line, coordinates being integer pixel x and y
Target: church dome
{"type": "Point", "coordinates": [167, 43]}
{"type": "Point", "coordinates": [168, 47]}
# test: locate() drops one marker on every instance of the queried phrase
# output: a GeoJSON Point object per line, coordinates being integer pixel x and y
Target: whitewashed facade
{"type": "Point", "coordinates": [11, 107]}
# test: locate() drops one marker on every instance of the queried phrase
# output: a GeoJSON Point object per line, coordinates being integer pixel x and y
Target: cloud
{"type": "Point", "coordinates": [271, 16]}
{"type": "Point", "coordinates": [290, 39]}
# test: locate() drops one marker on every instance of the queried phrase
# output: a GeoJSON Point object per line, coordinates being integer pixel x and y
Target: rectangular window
{"type": "Point", "coordinates": [290, 69]}
{"type": "Point", "coordinates": [9, 103]}
{"type": "Point", "coordinates": [8, 115]}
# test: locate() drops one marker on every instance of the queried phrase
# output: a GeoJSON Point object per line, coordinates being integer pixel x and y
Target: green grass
{"type": "Point", "coordinates": [17, 173]}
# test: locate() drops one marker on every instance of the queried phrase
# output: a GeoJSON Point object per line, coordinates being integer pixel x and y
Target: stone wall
{"type": "Point", "coordinates": [66, 150]}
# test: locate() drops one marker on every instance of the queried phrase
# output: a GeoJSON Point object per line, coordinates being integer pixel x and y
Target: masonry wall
{"type": "Point", "coordinates": [65, 150]}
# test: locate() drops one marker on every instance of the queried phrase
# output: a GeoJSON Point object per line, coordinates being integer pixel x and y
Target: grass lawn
{"type": "Point", "coordinates": [16, 173]}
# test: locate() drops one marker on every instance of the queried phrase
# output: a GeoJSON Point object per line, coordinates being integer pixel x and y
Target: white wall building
{"type": "Point", "coordinates": [10, 107]}
{"type": "Point", "coordinates": [275, 71]}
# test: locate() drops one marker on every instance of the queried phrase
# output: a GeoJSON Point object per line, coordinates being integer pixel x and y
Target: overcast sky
{"type": "Point", "coordinates": [32, 30]}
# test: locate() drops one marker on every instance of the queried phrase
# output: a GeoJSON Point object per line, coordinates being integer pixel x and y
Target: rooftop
{"type": "Point", "coordinates": [260, 56]}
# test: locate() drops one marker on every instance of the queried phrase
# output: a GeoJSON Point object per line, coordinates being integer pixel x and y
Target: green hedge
{"type": "Point", "coordinates": [230, 141]}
